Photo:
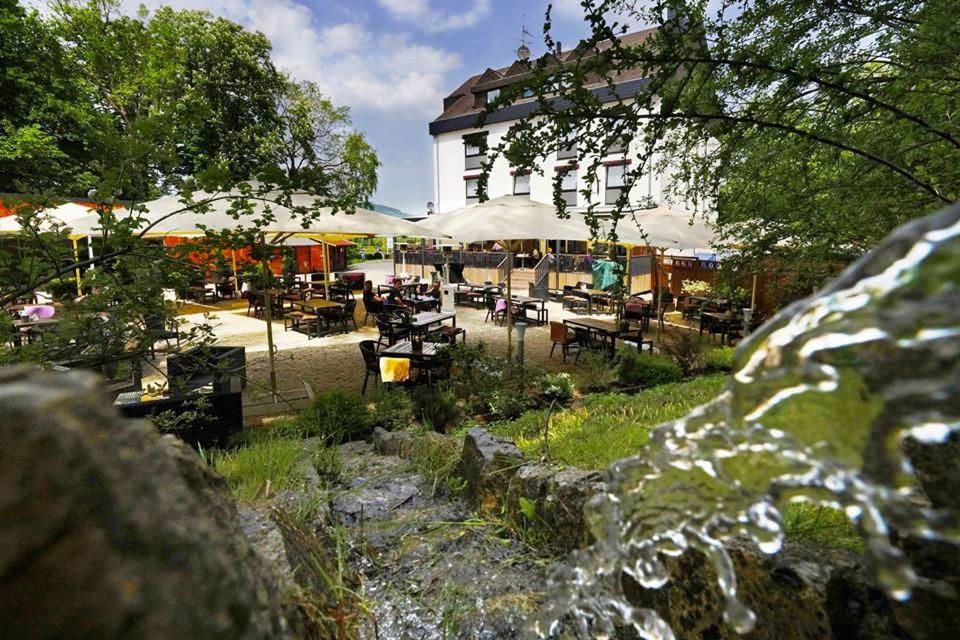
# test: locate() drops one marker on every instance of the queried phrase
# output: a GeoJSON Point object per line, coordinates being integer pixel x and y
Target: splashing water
{"type": "Point", "coordinates": [818, 410]}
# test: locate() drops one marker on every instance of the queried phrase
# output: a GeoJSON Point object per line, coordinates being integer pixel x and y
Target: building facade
{"type": "Point", "coordinates": [459, 147]}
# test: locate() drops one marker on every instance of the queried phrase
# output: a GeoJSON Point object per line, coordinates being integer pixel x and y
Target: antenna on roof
{"type": "Point", "coordinates": [523, 52]}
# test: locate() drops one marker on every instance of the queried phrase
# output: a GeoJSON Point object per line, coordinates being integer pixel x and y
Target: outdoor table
{"type": "Point", "coordinates": [404, 348]}
{"type": "Point", "coordinates": [424, 302]}
{"type": "Point", "coordinates": [319, 306]}
{"type": "Point", "coordinates": [423, 321]}
{"type": "Point", "coordinates": [202, 293]}
{"type": "Point", "coordinates": [594, 293]}
{"type": "Point", "coordinates": [608, 330]}
{"type": "Point", "coordinates": [537, 305]}
{"type": "Point", "coordinates": [721, 323]}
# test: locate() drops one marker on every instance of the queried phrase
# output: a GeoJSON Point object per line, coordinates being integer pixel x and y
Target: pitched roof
{"type": "Point", "coordinates": [462, 101]}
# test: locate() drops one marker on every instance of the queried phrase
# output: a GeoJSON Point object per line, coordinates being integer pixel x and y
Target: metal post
{"type": "Point", "coordinates": [509, 301]}
{"type": "Point", "coordinates": [423, 258]}
{"type": "Point", "coordinates": [76, 259]}
{"type": "Point", "coordinates": [557, 262]}
{"type": "Point", "coordinates": [326, 267]}
{"type": "Point", "coordinates": [268, 316]}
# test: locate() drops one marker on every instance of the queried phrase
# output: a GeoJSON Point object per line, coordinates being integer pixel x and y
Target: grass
{"type": "Point", "coordinates": [821, 525]}
{"type": "Point", "coordinates": [607, 427]}
{"type": "Point", "coordinates": [261, 468]}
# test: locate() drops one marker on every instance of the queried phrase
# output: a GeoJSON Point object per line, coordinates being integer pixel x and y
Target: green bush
{"type": "Point", "coordinates": [394, 409]}
{"type": "Point", "coordinates": [437, 406]}
{"type": "Point", "coordinates": [508, 401]}
{"type": "Point", "coordinates": [637, 369]}
{"type": "Point", "coordinates": [555, 387]}
{"type": "Point", "coordinates": [686, 348]}
{"type": "Point", "coordinates": [594, 371]}
{"type": "Point", "coordinates": [336, 417]}
{"type": "Point", "coordinates": [718, 359]}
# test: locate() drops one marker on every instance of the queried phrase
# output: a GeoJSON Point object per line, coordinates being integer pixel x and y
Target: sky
{"type": "Point", "coordinates": [393, 61]}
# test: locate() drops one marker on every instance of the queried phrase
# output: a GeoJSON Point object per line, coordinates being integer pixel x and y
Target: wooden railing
{"type": "Point", "coordinates": [502, 271]}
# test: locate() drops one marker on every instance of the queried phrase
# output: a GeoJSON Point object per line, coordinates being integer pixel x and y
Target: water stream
{"type": "Point", "coordinates": [818, 409]}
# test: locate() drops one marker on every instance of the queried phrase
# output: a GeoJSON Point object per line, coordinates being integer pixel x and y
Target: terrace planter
{"type": "Point", "coordinates": [217, 423]}
{"type": "Point", "coordinates": [225, 368]}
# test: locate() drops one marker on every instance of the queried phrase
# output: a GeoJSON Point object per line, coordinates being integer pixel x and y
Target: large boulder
{"type": "Point", "coordinates": [108, 530]}
{"type": "Point", "coordinates": [487, 464]}
{"type": "Point", "coordinates": [803, 593]}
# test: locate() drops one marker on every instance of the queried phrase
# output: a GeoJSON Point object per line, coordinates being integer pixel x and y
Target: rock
{"type": "Point", "coordinates": [374, 500]}
{"type": "Point", "coordinates": [487, 464]}
{"type": "Point", "coordinates": [392, 443]}
{"type": "Point", "coordinates": [800, 594]}
{"type": "Point", "coordinates": [559, 495]}
{"type": "Point", "coordinates": [108, 530]}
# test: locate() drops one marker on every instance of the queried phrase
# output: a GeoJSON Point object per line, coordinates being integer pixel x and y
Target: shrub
{"type": "Point", "coordinates": [594, 371]}
{"type": "Point", "coordinates": [555, 387]}
{"type": "Point", "coordinates": [394, 409]}
{"type": "Point", "coordinates": [686, 348]}
{"type": "Point", "coordinates": [696, 287]}
{"type": "Point", "coordinates": [336, 417]}
{"type": "Point", "coordinates": [508, 401]}
{"type": "Point", "coordinates": [718, 359]}
{"type": "Point", "coordinates": [437, 406]}
{"type": "Point", "coordinates": [637, 369]}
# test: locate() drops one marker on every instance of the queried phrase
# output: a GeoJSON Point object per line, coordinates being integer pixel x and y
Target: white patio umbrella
{"type": "Point", "coordinates": [274, 222]}
{"type": "Point", "coordinates": [67, 214]}
{"type": "Point", "coordinates": [505, 220]}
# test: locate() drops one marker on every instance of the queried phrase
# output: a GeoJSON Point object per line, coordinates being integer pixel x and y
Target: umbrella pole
{"type": "Point", "coordinates": [393, 256]}
{"type": "Point", "coordinates": [268, 317]}
{"type": "Point", "coordinates": [236, 276]}
{"type": "Point", "coordinates": [326, 268]}
{"type": "Point", "coordinates": [509, 303]}
{"type": "Point", "coordinates": [753, 294]}
{"type": "Point", "coordinates": [660, 294]}
{"type": "Point", "coordinates": [556, 260]}
{"type": "Point", "coordinates": [423, 257]}
{"type": "Point", "coordinates": [76, 259]}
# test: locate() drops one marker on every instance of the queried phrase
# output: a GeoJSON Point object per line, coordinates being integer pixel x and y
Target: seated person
{"type": "Point", "coordinates": [434, 290]}
{"type": "Point", "coordinates": [396, 297]}
{"type": "Point", "coordinates": [371, 301]}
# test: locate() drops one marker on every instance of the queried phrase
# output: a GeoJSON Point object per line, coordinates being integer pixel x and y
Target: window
{"type": "Point", "coordinates": [616, 181]}
{"type": "Point", "coordinates": [527, 92]}
{"type": "Point", "coordinates": [521, 183]}
{"type": "Point", "coordinates": [568, 187]}
{"type": "Point", "coordinates": [472, 185]}
{"type": "Point", "coordinates": [492, 95]}
{"type": "Point", "coordinates": [618, 144]}
{"type": "Point", "coordinates": [474, 150]}
{"type": "Point", "coordinates": [568, 148]}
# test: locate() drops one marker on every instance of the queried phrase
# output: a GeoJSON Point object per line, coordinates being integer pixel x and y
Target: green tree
{"type": "Point", "coordinates": [44, 120]}
{"type": "Point", "coordinates": [813, 128]}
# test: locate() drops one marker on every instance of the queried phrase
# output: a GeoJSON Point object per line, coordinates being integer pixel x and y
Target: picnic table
{"type": "Point", "coordinates": [404, 348]}
{"type": "Point", "coordinates": [715, 322]}
{"type": "Point", "coordinates": [609, 332]}
{"type": "Point", "coordinates": [317, 308]}
{"type": "Point", "coordinates": [537, 305]}
{"type": "Point", "coordinates": [421, 322]}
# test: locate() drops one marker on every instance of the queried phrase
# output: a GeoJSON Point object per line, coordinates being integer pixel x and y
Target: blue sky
{"type": "Point", "coordinates": [393, 61]}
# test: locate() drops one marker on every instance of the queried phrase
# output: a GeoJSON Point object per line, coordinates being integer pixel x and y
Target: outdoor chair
{"type": "Point", "coordinates": [158, 330]}
{"type": "Point", "coordinates": [561, 335]}
{"type": "Point", "coordinates": [389, 331]}
{"type": "Point", "coordinates": [433, 369]}
{"type": "Point", "coordinates": [496, 309]}
{"type": "Point", "coordinates": [587, 340]}
{"type": "Point", "coordinates": [446, 335]}
{"type": "Point", "coordinates": [348, 315]}
{"type": "Point", "coordinates": [371, 362]}
{"type": "Point", "coordinates": [255, 302]}
{"type": "Point", "coordinates": [372, 308]}
{"type": "Point", "coordinates": [292, 320]}
{"type": "Point", "coordinates": [574, 299]}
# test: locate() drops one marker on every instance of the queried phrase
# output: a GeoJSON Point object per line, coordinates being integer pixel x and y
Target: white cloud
{"type": "Point", "coordinates": [432, 19]}
{"type": "Point", "coordinates": [387, 73]}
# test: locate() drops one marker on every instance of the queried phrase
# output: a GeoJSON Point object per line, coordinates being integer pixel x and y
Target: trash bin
{"type": "Point", "coordinates": [447, 292]}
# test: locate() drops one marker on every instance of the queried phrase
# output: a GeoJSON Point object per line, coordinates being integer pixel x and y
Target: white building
{"type": "Point", "coordinates": [459, 146]}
